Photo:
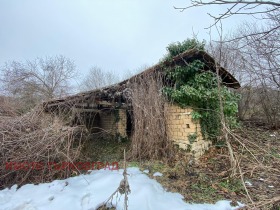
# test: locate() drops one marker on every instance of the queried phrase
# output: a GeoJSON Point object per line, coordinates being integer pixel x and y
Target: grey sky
{"type": "Point", "coordinates": [116, 35]}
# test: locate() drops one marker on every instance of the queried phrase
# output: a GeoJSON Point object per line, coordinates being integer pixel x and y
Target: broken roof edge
{"type": "Point", "coordinates": [181, 59]}
{"type": "Point", "coordinates": [189, 56]}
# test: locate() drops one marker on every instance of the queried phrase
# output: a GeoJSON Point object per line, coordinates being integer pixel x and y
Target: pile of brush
{"type": "Point", "coordinates": [33, 144]}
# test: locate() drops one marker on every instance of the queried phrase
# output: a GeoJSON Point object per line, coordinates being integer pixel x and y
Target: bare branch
{"type": "Point", "coordinates": [237, 7]}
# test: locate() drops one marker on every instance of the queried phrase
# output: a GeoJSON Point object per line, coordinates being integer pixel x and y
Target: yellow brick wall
{"type": "Point", "coordinates": [109, 123]}
{"type": "Point", "coordinates": [180, 127]}
{"type": "Point", "coordinates": [122, 122]}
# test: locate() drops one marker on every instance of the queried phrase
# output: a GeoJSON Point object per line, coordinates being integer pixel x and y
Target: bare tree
{"type": "Point", "coordinates": [97, 78]}
{"type": "Point", "coordinates": [260, 46]}
{"type": "Point", "coordinates": [262, 54]}
{"type": "Point", "coordinates": [130, 73]}
{"type": "Point", "coordinates": [255, 8]}
{"type": "Point", "coordinates": [37, 80]}
{"type": "Point", "coordinates": [255, 61]}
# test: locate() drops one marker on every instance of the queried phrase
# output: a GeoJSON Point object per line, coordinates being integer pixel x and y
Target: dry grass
{"type": "Point", "coordinates": [258, 153]}
{"type": "Point", "coordinates": [257, 150]}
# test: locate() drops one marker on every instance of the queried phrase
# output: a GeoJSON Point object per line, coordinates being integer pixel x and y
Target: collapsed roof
{"type": "Point", "coordinates": [114, 95]}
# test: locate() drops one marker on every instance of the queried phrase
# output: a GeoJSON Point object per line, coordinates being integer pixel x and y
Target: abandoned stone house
{"type": "Point", "coordinates": [109, 110]}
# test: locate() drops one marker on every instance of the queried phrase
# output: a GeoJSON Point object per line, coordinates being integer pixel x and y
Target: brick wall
{"type": "Point", "coordinates": [121, 123]}
{"type": "Point", "coordinates": [181, 129]}
{"type": "Point", "coordinates": [107, 121]}
{"type": "Point", "coordinates": [114, 123]}
{"type": "Point", "coordinates": [184, 131]}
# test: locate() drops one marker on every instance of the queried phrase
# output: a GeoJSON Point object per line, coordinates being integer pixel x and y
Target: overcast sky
{"type": "Point", "coordinates": [115, 35]}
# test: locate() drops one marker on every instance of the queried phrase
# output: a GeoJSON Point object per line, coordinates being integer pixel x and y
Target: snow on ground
{"type": "Point", "coordinates": [146, 171]}
{"type": "Point", "coordinates": [157, 174]}
{"type": "Point", "coordinates": [88, 192]}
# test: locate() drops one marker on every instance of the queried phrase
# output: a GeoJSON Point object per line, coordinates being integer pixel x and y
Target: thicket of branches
{"type": "Point", "coordinates": [253, 57]}
{"type": "Point", "coordinates": [36, 138]}
{"type": "Point", "coordinates": [149, 138]}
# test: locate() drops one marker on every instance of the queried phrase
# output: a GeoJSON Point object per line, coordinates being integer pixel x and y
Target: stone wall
{"type": "Point", "coordinates": [184, 131]}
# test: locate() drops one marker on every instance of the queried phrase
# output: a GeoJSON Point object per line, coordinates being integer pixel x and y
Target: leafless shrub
{"type": "Point", "coordinates": [149, 138]}
{"type": "Point", "coordinates": [36, 138]}
{"type": "Point", "coordinates": [8, 107]}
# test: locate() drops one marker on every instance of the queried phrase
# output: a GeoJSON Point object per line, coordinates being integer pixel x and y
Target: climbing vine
{"type": "Point", "coordinates": [199, 89]}
{"type": "Point", "coordinates": [176, 48]}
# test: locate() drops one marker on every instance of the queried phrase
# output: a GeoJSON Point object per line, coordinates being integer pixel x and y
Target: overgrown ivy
{"type": "Point", "coordinates": [199, 89]}
{"type": "Point", "coordinates": [176, 48]}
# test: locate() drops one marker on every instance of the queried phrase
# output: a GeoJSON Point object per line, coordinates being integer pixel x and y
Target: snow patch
{"type": "Point", "coordinates": [146, 171]}
{"type": "Point", "coordinates": [157, 174]}
{"type": "Point", "coordinates": [248, 183]}
{"type": "Point", "coordinates": [88, 192]}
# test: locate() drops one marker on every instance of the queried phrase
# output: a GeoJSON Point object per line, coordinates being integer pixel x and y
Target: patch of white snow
{"type": "Point", "coordinates": [77, 194]}
{"type": "Point", "coordinates": [146, 171]}
{"type": "Point", "coordinates": [157, 174]}
{"type": "Point", "coordinates": [248, 183]}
